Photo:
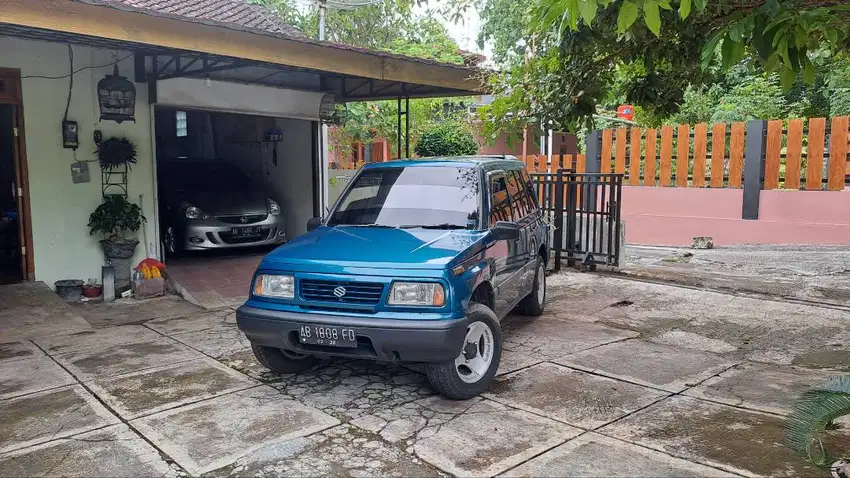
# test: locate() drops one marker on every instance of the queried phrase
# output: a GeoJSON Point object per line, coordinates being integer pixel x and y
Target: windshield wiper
{"type": "Point", "coordinates": [434, 226]}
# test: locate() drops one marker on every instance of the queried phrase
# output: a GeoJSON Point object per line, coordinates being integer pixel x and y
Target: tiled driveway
{"type": "Point", "coordinates": [619, 378]}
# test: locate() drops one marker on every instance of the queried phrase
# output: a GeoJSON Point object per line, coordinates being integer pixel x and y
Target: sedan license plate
{"type": "Point", "coordinates": [328, 335]}
{"type": "Point", "coordinates": [245, 231]}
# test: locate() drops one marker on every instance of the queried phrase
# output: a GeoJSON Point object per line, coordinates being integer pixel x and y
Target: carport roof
{"type": "Point", "coordinates": [230, 40]}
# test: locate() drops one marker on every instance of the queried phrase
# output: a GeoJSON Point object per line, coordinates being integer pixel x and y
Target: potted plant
{"type": "Point", "coordinates": [92, 289]}
{"type": "Point", "coordinates": [115, 152]}
{"type": "Point", "coordinates": [115, 219]}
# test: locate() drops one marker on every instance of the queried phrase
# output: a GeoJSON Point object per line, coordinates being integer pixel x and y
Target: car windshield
{"type": "Point", "coordinates": [207, 176]}
{"type": "Point", "coordinates": [439, 197]}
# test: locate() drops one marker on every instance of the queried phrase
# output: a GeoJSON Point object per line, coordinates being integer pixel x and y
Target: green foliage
{"type": "Point", "coordinates": [814, 414]}
{"type": "Point", "coordinates": [503, 26]}
{"type": "Point", "coordinates": [115, 217]}
{"type": "Point", "coordinates": [599, 53]}
{"type": "Point", "coordinates": [115, 152]}
{"type": "Point", "coordinates": [449, 138]}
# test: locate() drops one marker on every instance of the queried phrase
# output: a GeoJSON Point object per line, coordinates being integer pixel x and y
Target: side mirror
{"type": "Point", "coordinates": [313, 223]}
{"type": "Point", "coordinates": [504, 230]}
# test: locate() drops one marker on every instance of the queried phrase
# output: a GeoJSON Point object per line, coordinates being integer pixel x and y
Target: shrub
{"type": "Point", "coordinates": [446, 139]}
{"type": "Point", "coordinates": [115, 217]}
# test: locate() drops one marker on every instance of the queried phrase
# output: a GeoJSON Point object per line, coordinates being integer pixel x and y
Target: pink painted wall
{"type": "Point", "coordinates": [673, 216]}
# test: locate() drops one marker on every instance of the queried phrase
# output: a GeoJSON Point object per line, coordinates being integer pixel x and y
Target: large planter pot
{"type": "Point", "coordinates": [118, 255]}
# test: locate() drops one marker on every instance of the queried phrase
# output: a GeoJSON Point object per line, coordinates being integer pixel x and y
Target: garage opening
{"type": "Point", "coordinates": [231, 187]}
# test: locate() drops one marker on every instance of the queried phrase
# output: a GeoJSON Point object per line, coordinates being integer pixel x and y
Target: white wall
{"type": "Point", "coordinates": [60, 209]}
{"type": "Point", "coordinates": [292, 179]}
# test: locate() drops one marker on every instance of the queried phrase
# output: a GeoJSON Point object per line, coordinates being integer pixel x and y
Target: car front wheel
{"type": "Point", "coordinates": [282, 361]}
{"type": "Point", "coordinates": [477, 362]}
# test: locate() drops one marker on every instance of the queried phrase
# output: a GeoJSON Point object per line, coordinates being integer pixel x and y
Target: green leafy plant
{"type": "Point", "coordinates": [115, 152]}
{"type": "Point", "coordinates": [446, 139]}
{"type": "Point", "coordinates": [115, 217]}
{"type": "Point", "coordinates": [814, 414]}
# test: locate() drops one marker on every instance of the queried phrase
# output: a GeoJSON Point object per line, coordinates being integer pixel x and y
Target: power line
{"type": "Point", "coordinates": [77, 70]}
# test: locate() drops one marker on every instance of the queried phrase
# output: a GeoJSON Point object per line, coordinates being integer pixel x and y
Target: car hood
{"type": "Point", "coordinates": [228, 203]}
{"type": "Point", "coordinates": [374, 247]}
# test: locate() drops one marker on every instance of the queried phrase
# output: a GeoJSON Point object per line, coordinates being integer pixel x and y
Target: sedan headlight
{"type": "Point", "coordinates": [193, 212]}
{"type": "Point", "coordinates": [428, 294]}
{"type": "Point", "coordinates": [275, 286]}
{"type": "Point", "coordinates": [274, 207]}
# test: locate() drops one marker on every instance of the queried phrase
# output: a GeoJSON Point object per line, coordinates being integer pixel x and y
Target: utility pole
{"type": "Point", "coordinates": [323, 135]}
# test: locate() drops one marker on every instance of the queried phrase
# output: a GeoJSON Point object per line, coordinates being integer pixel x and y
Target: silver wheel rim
{"type": "Point", "coordinates": [477, 353]}
{"type": "Point", "coordinates": [541, 284]}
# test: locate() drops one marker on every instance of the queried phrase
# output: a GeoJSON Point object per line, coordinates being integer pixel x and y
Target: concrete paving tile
{"type": "Point", "coordinates": [31, 309]}
{"type": "Point", "coordinates": [489, 439]}
{"type": "Point", "coordinates": [654, 365]}
{"type": "Point", "coordinates": [340, 451]}
{"type": "Point", "coordinates": [125, 358]}
{"type": "Point", "coordinates": [220, 339]}
{"type": "Point", "coordinates": [350, 389]}
{"type": "Point", "coordinates": [552, 338]}
{"type": "Point", "coordinates": [594, 455]}
{"type": "Point", "coordinates": [214, 433]}
{"type": "Point", "coordinates": [31, 375]}
{"type": "Point", "coordinates": [765, 387]}
{"type": "Point", "coordinates": [192, 322]}
{"type": "Point", "coordinates": [512, 361]}
{"type": "Point", "coordinates": [577, 398]}
{"type": "Point", "coordinates": [114, 451]}
{"type": "Point", "coordinates": [156, 389]}
{"type": "Point", "coordinates": [736, 440]}
{"type": "Point", "coordinates": [133, 311]}
{"type": "Point", "coordinates": [403, 423]}
{"type": "Point", "coordinates": [48, 415]}
{"type": "Point", "coordinates": [245, 362]}
{"type": "Point", "coordinates": [12, 351]}
{"type": "Point", "coordinates": [98, 339]}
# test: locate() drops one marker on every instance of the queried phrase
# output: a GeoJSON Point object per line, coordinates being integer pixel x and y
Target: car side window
{"type": "Point", "coordinates": [531, 192]}
{"type": "Point", "coordinates": [500, 202]}
{"type": "Point", "coordinates": [518, 195]}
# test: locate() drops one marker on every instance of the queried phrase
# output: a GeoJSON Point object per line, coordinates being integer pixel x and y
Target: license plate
{"type": "Point", "coordinates": [328, 335]}
{"type": "Point", "coordinates": [245, 231]}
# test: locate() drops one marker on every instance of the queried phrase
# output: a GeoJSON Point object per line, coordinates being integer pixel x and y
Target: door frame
{"type": "Point", "coordinates": [19, 161]}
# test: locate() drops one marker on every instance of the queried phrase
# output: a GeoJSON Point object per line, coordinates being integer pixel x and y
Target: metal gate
{"type": "Point", "coordinates": [584, 211]}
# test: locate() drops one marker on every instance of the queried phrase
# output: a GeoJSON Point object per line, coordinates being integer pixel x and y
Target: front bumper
{"type": "Point", "coordinates": [215, 234]}
{"type": "Point", "coordinates": [394, 340]}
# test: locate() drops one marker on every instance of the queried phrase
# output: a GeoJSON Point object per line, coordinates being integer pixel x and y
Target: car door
{"type": "Point", "coordinates": [501, 252]}
{"type": "Point", "coordinates": [524, 260]}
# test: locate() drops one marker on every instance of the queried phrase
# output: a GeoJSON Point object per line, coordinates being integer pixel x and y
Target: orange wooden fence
{"type": "Point", "coordinates": [538, 163]}
{"type": "Point", "coordinates": [799, 154]}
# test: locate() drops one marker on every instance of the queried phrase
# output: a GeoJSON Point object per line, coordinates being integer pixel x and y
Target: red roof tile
{"type": "Point", "coordinates": [235, 13]}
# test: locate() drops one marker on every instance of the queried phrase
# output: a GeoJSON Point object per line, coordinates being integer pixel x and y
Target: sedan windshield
{"type": "Point", "coordinates": [438, 197]}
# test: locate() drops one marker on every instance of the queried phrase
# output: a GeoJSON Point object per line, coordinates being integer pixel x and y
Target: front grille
{"type": "Point", "coordinates": [360, 293]}
{"type": "Point", "coordinates": [248, 218]}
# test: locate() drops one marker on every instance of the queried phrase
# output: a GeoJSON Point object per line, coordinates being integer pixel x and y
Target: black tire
{"type": "Point", "coordinates": [533, 304]}
{"type": "Point", "coordinates": [281, 361]}
{"type": "Point", "coordinates": [445, 376]}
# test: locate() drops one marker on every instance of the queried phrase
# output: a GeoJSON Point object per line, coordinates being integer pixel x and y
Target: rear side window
{"type": "Point", "coordinates": [519, 195]}
{"type": "Point", "coordinates": [532, 192]}
{"type": "Point", "coordinates": [500, 202]}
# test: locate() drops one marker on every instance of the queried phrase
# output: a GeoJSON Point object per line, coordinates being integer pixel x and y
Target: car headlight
{"type": "Point", "coordinates": [274, 207]}
{"type": "Point", "coordinates": [428, 294]}
{"type": "Point", "coordinates": [193, 212]}
{"type": "Point", "coordinates": [275, 286]}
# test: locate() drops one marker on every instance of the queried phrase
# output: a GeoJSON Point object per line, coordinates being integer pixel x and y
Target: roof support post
{"type": "Point", "coordinates": [406, 113]}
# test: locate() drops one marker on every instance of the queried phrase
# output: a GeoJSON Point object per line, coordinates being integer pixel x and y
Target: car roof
{"type": "Point", "coordinates": [485, 162]}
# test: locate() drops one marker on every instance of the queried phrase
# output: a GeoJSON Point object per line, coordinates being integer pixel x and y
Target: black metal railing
{"type": "Point", "coordinates": [584, 211]}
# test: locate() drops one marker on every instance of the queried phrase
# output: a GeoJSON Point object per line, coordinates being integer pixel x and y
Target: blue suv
{"type": "Point", "coordinates": [418, 261]}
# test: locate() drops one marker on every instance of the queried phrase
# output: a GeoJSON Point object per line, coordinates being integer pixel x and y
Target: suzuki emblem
{"type": "Point", "coordinates": [339, 291]}
{"type": "Point", "coordinates": [243, 219]}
